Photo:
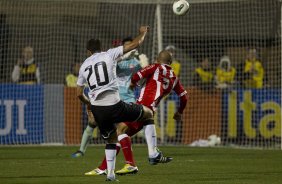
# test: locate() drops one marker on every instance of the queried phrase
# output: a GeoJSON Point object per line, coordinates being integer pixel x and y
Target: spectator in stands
{"type": "Point", "coordinates": [26, 71]}
{"type": "Point", "coordinates": [253, 72]}
{"type": "Point", "coordinates": [71, 78]}
{"type": "Point", "coordinates": [175, 65]}
{"type": "Point", "coordinates": [203, 76]}
{"type": "Point", "coordinates": [225, 73]}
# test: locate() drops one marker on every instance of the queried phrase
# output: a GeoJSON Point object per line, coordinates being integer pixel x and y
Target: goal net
{"type": "Point", "coordinates": [227, 54]}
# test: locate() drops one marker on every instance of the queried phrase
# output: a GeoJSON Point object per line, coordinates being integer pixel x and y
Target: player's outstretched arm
{"type": "Point", "coordinates": [131, 86]}
{"type": "Point", "coordinates": [136, 41]}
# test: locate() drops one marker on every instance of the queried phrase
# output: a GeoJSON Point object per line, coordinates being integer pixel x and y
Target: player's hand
{"type": "Point", "coordinates": [143, 29]}
{"type": "Point", "coordinates": [88, 107]}
{"type": "Point", "coordinates": [89, 112]}
{"type": "Point", "coordinates": [131, 86]}
{"type": "Point", "coordinates": [90, 116]}
{"type": "Point", "coordinates": [177, 116]}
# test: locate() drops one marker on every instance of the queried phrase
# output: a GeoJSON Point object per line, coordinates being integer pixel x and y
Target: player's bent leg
{"type": "Point", "coordinates": [133, 128]}
{"type": "Point", "coordinates": [130, 166]}
{"type": "Point", "coordinates": [122, 128]}
{"type": "Point", "coordinates": [125, 142]}
{"type": "Point", "coordinates": [147, 114]}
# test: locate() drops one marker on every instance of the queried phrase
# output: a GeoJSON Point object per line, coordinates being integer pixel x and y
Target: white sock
{"type": "Point", "coordinates": [87, 135]}
{"type": "Point", "coordinates": [151, 138]}
{"type": "Point", "coordinates": [111, 160]}
{"type": "Point", "coordinates": [120, 137]}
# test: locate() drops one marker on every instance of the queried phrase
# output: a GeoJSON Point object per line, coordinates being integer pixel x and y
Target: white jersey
{"type": "Point", "coordinates": [99, 71]}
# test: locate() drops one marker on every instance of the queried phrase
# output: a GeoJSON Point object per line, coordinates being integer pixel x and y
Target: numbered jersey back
{"type": "Point", "coordinates": [161, 80]}
{"type": "Point", "coordinates": [99, 72]}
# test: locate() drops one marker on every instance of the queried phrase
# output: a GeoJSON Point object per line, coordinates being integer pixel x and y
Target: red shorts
{"type": "Point", "coordinates": [134, 127]}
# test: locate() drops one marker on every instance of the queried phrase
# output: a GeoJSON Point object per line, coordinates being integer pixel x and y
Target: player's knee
{"type": "Point", "coordinates": [148, 122]}
{"type": "Point", "coordinates": [148, 113]}
{"type": "Point", "coordinates": [112, 138]}
{"type": "Point", "coordinates": [122, 128]}
{"type": "Point", "coordinates": [110, 146]}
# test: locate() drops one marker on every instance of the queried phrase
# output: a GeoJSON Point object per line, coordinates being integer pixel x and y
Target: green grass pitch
{"type": "Point", "coordinates": [41, 164]}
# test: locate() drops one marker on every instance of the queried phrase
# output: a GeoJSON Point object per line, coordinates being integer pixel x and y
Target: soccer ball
{"type": "Point", "coordinates": [180, 7]}
{"type": "Point", "coordinates": [214, 140]}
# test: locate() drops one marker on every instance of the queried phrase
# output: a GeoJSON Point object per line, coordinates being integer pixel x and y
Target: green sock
{"type": "Point", "coordinates": [87, 135]}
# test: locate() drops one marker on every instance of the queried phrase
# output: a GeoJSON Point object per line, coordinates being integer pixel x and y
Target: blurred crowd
{"type": "Point", "coordinates": [207, 75]}
{"type": "Point", "coordinates": [249, 74]}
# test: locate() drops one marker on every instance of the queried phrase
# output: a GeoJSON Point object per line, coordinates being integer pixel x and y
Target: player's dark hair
{"type": "Point", "coordinates": [94, 45]}
{"type": "Point", "coordinates": [127, 39]}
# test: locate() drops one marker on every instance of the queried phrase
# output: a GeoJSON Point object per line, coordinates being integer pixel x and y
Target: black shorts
{"type": "Point", "coordinates": [107, 116]}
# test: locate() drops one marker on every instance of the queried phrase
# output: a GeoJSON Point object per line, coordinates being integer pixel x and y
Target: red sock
{"type": "Point", "coordinates": [134, 128]}
{"type": "Point", "coordinates": [125, 143]}
{"type": "Point", "coordinates": [103, 165]}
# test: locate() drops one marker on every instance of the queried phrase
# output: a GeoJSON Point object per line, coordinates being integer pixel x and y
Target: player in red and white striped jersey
{"type": "Point", "coordinates": [160, 81]}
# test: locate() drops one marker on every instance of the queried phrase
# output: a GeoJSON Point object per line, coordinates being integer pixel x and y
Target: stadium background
{"type": "Point", "coordinates": [58, 31]}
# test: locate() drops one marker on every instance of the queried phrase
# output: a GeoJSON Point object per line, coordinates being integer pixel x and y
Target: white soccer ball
{"type": "Point", "coordinates": [180, 7]}
{"type": "Point", "coordinates": [214, 140]}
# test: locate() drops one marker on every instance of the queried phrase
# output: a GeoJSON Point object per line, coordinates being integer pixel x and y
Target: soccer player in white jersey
{"type": "Point", "coordinates": [128, 65]}
{"type": "Point", "coordinates": [99, 71]}
{"type": "Point", "coordinates": [88, 132]}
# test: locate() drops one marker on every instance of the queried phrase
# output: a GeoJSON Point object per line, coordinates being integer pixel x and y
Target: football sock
{"type": "Point", "coordinates": [125, 143]}
{"type": "Point", "coordinates": [151, 138]}
{"type": "Point", "coordinates": [110, 152]}
{"type": "Point", "coordinates": [86, 137]}
{"type": "Point", "coordinates": [103, 165]}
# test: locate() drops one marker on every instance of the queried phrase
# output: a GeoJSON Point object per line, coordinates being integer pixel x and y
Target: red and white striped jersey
{"type": "Point", "coordinates": [160, 81]}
